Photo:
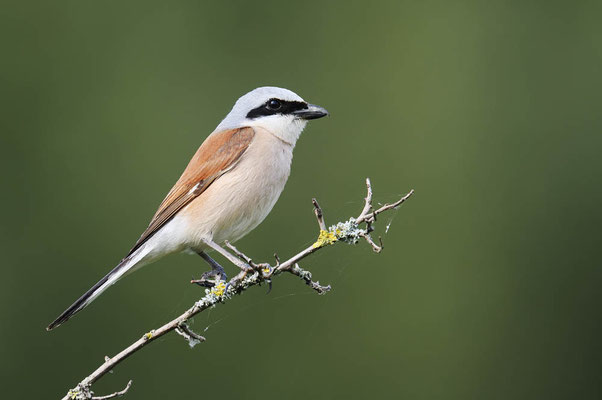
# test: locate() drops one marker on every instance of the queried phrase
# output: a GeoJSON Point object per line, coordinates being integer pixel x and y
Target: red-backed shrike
{"type": "Point", "coordinates": [227, 189]}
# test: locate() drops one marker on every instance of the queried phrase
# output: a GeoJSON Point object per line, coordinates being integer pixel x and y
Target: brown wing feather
{"type": "Point", "coordinates": [218, 153]}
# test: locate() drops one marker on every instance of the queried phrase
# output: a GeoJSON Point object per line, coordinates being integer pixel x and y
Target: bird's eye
{"type": "Point", "coordinates": [274, 104]}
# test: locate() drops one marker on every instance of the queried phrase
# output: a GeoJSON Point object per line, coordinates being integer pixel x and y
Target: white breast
{"type": "Point", "coordinates": [240, 199]}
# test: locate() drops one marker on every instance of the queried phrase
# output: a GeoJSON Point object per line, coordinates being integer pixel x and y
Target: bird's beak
{"type": "Point", "coordinates": [311, 112]}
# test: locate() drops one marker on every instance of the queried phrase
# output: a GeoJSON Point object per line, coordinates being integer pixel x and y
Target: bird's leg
{"type": "Point", "coordinates": [208, 278]}
{"type": "Point", "coordinates": [234, 260]}
{"type": "Point", "coordinates": [245, 268]}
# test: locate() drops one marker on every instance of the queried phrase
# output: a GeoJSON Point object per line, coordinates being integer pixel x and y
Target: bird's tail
{"type": "Point", "coordinates": [126, 265]}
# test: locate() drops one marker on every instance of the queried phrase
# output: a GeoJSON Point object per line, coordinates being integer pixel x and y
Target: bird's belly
{"type": "Point", "coordinates": [235, 203]}
{"type": "Point", "coordinates": [242, 212]}
{"type": "Point", "coordinates": [231, 214]}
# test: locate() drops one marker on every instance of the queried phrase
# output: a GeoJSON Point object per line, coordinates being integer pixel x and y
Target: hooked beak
{"type": "Point", "coordinates": [311, 112]}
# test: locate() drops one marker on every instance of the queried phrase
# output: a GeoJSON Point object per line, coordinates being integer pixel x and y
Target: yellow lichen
{"type": "Point", "coordinates": [219, 289]}
{"type": "Point", "coordinates": [148, 335]}
{"type": "Point", "coordinates": [325, 238]}
{"type": "Point", "coordinates": [72, 394]}
{"type": "Point", "coordinates": [265, 271]}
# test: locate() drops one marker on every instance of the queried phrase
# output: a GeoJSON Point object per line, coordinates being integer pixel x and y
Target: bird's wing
{"type": "Point", "coordinates": [216, 156]}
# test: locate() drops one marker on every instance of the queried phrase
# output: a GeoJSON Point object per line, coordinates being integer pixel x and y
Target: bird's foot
{"type": "Point", "coordinates": [210, 278]}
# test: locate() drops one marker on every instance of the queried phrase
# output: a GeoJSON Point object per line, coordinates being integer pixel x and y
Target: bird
{"type": "Point", "coordinates": [228, 188]}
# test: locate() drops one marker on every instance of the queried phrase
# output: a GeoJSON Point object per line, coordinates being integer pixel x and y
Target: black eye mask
{"type": "Point", "coordinates": [276, 106]}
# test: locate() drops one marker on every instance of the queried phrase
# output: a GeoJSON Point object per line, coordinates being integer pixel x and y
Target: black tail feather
{"type": "Point", "coordinates": [82, 302]}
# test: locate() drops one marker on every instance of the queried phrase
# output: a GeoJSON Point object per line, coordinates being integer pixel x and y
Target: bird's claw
{"type": "Point", "coordinates": [266, 271]}
{"type": "Point", "coordinates": [203, 283]}
{"type": "Point", "coordinates": [209, 278]}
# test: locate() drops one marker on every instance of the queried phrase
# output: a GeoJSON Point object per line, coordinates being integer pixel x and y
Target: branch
{"type": "Point", "coordinates": [188, 334]}
{"type": "Point", "coordinates": [116, 394]}
{"type": "Point", "coordinates": [348, 231]}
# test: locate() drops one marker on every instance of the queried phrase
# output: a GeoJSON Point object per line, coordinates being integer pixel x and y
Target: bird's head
{"type": "Point", "coordinates": [280, 111]}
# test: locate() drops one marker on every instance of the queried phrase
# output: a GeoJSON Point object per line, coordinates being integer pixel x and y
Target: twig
{"type": "Point", "coordinates": [116, 394]}
{"type": "Point", "coordinates": [348, 231]}
{"type": "Point", "coordinates": [240, 254]}
{"type": "Point", "coordinates": [319, 214]}
{"type": "Point", "coordinates": [306, 276]}
{"type": "Point", "coordinates": [375, 247]}
{"type": "Point", "coordinates": [188, 334]}
{"type": "Point", "coordinates": [368, 198]}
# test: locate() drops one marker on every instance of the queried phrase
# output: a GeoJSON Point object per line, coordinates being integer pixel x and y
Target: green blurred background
{"type": "Point", "coordinates": [488, 286]}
